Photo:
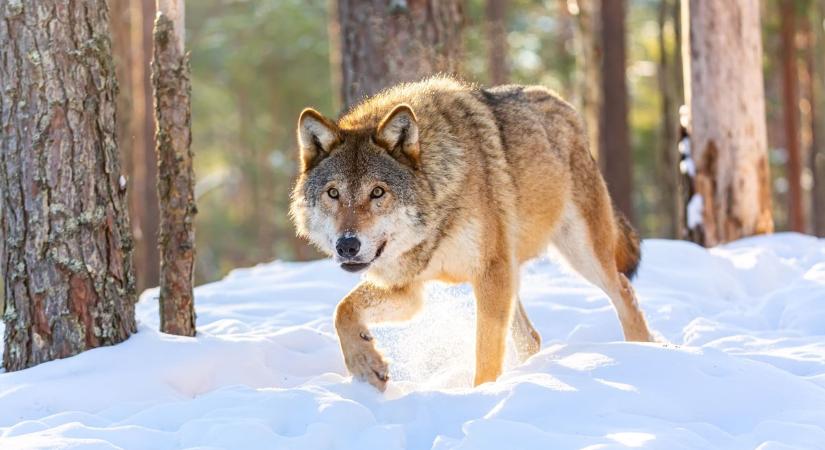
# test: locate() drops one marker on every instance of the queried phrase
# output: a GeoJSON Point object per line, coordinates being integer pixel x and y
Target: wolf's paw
{"type": "Point", "coordinates": [365, 363]}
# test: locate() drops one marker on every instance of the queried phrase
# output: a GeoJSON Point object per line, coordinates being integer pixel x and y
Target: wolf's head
{"type": "Point", "coordinates": [357, 197]}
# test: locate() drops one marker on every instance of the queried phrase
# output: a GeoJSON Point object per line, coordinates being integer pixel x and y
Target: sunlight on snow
{"type": "Point", "coordinates": [631, 439]}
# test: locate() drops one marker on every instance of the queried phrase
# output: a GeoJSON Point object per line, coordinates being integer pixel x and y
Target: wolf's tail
{"type": "Point", "coordinates": [628, 253]}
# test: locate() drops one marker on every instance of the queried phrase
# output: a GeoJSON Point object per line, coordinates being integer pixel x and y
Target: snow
{"type": "Point", "coordinates": [695, 209]}
{"type": "Point", "coordinates": [686, 165]}
{"type": "Point", "coordinates": [741, 366]}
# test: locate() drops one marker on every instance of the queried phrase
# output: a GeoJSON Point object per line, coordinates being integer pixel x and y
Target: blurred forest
{"type": "Point", "coordinates": [257, 63]}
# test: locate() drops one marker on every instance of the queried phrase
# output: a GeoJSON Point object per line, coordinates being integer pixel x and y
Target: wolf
{"type": "Point", "coordinates": [444, 180]}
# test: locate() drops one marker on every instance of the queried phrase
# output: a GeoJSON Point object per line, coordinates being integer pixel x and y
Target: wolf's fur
{"type": "Point", "coordinates": [477, 182]}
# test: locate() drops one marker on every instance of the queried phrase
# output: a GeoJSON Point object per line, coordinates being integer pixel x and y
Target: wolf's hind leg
{"type": "Point", "coordinates": [526, 338]}
{"type": "Point", "coordinates": [597, 264]}
{"type": "Point", "coordinates": [369, 304]}
{"type": "Point", "coordinates": [495, 296]}
{"type": "Point", "coordinates": [633, 320]}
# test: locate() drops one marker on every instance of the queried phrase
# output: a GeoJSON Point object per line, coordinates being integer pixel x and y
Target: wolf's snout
{"type": "Point", "coordinates": [348, 247]}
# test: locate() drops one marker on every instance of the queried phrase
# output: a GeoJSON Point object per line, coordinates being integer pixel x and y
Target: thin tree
{"type": "Point", "coordinates": [588, 66]}
{"type": "Point", "coordinates": [335, 75]}
{"type": "Point", "coordinates": [120, 23]}
{"type": "Point", "coordinates": [67, 258]}
{"type": "Point", "coordinates": [816, 161]}
{"type": "Point", "coordinates": [790, 103]}
{"type": "Point", "coordinates": [669, 76]}
{"type": "Point", "coordinates": [496, 28]}
{"type": "Point", "coordinates": [131, 22]}
{"type": "Point", "coordinates": [387, 42]}
{"type": "Point", "coordinates": [143, 173]}
{"type": "Point", "coordinates": [176, 180]}
{"type": "Point", "coordinates": [722, 60]}
{"type": "Point", "coordinates": [614, 133]}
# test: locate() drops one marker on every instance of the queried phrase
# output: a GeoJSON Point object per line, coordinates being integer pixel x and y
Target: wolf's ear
{"type": "Point", "coordinates": [398, 133]}
{"type": "Point", "coordinates": [316, 134]}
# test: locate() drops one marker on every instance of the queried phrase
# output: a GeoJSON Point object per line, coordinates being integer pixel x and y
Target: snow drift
{"type": "Point", "coordinates": [741, 366]}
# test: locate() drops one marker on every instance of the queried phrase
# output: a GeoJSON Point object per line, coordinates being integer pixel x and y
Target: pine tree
{"type": "Point", "coordinates": [67, 259]}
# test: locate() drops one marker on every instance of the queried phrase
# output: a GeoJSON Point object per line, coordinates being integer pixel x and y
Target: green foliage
{"type": "Point", "coordinates": [256, 64]}
{"type": "Point", "coordinates": [540, 39]}
{"type": "Point", "coordinates": [645, 113]}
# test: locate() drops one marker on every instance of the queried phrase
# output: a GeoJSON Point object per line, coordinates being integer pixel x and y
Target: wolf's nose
{"type": "Point", "coordinates": [348, 247]}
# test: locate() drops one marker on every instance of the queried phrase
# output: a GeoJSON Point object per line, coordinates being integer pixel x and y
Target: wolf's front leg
{"type": "Point", "coordinates": [368, 304]}
{"type": "Point", "coordinates": [494, 291]}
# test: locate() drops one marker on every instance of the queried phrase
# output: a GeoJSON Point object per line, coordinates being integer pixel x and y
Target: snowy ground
{"type": "Point", "coordinates": [744, 367]}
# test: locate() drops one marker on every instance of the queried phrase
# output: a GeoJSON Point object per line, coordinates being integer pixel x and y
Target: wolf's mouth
{"type": "Point", "coordinates": [357, 266]}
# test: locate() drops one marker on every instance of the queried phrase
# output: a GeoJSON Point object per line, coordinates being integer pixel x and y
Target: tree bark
{"type": "Point", "coordinates": [143, 199]}
{"type": "Point", "coordinates": [176, 179]}
{"type": "Point", "coordinates": [496, 28]}
{"type": "Point", "coordinates": [67, 259]}
{"type": "Point", "coordinates": [384, 43]}
{"type": "Point", "coordinates": [790, 104]}
{"type": "Point", "coordinates": [616, 157]}
{"type": "Point", "coordinates": [722, 59]}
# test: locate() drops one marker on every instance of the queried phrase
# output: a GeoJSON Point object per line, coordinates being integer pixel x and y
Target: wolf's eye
{"type": "Point", "coordinates": [377, 192]}
{"type": "Point", "coordinates": [332, 192]}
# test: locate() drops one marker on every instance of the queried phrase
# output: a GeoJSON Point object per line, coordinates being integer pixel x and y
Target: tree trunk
{"type": "Point", "coordinates": [816, 63]}
{"type": "Point", "coordinates": [387, 42]}
{"type": "Point", "coordinates": [120, 24]}
{"type": "Point", "coordinates": [496, 27]}
{"type": "Point", "coordinates": [67, 259]}
{"type": "Point", "coordinates": [143, 199]}
{"type": "Point", "coordinates": [176, 179]}
{"type": "Point", "coordinates": [669, 77]}
{"type": "Point", "coordinates": [807, 116]}
{"type": "Point", "coordinates": [334, 37]}
{"type": "Point", "coordinates": [616, 157]}
{"type": "Point", "coordinates": [132, 45]}
{"type": "Point", "coordinates": [790, 103]}
{"type": "Point", "coordinates": [588, 62]}
{"type": "Point", "coordinates": [722, 53]}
